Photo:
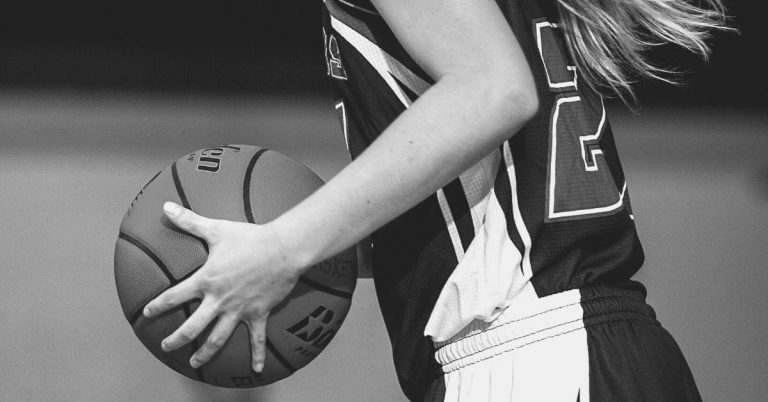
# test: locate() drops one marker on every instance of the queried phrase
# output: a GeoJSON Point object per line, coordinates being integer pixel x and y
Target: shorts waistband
{"type": "Point", "coordinates": [547, 317]}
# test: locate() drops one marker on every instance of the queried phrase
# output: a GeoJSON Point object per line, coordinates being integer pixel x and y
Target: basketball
{"type": "Point", "coordinates": [238, 183]}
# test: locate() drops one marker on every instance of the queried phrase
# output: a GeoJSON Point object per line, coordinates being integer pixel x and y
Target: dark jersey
{"type": "Point", "coordinates": [555, 188]}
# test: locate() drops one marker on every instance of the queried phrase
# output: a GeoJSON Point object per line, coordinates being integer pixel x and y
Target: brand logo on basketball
{"type": "Point", "coordinates": [210, 160]}
{"type": "Point", "coordinates": [313, 329]}
{"type": "Point", "coordinates": [337, 267]}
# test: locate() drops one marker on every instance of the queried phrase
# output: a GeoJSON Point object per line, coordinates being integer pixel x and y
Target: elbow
{"type": "Point", "coordinates": [519, 96]}
{"type": "Point", "coordinates": [506, 101]}
{"type": "Point", "coordinates": [509, 99]}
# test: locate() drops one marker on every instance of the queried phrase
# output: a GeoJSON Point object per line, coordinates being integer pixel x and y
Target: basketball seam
{"type": "Point", "coordinates": [160, 264]}
{"type": "Point", "coordinates": [153, 178]}
{"type": "Point", "coordinates": [143, 248]}
{"type": "Point", "coordinates": [280, 358]}
{"type": "Point", "coordinates": [247, 185]}
{"type": "Point", "coordinates": [146, 250]}
{"type": "Point", "coordinates": [249, 217]}
{"type": "Point", "coordinates": [179, 188]}
{"type": "Point", "coordinates": [156, 259]}
{"type": "Point", "coordinates": [184, 200]}
{"type": "Point", "coordinates": [138, 313]}
{"type": "Point", "coordinates": [135, 317]}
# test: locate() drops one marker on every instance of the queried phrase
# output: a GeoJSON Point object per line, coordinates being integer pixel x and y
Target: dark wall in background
{"type": "Point", "coordinates": [226, 45]}
{"type": "Point", "coordinates": [276, 46]}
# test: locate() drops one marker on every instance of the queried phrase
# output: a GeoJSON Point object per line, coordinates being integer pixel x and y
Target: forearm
{"type": "Point", "coordinates": [450, 127]}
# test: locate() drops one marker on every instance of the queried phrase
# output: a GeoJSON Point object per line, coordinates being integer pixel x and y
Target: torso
{"type": "Point", "coordinates": [547, 212]}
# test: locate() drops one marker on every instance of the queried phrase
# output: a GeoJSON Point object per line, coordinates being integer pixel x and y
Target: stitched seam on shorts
{"type": "Point", "coordinates": [460, 366]}
{"type": "Point", "coordinates": [506, 323]}
{"type": "Point", "coordinates": [442, 345]}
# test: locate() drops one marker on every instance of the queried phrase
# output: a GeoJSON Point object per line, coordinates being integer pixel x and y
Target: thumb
{"type": "Point", "coordinates": [187, 220]}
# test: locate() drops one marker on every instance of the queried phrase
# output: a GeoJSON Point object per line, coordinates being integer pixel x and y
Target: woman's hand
{"type": "Point", "coordinates": [247, 273]}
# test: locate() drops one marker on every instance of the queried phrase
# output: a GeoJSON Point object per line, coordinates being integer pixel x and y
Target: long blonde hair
{"type": "Point", "coordinates": [608, 39]}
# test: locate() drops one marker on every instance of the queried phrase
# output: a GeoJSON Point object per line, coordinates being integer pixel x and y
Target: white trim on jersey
{"type": "Point", "coordinates": [450, 223]}
{"type": "Point", "coordinates": [493, 275]}
{"type": "Point", "coordinates": [516, 214]}
{"type": "Point", "coordinates": [343, 116]}
{"type": "Point", "coordinates": [477, 182]}
{"type": "Point", "coordinates": [592, 137]}
{"type": "Point", "coordinates": [555, 85]}
{"type": "Point", "coordinates": [553, 163]}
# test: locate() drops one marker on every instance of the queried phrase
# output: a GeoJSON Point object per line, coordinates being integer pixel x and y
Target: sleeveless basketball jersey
{"type": "Point", "coordinates": [546, 212]}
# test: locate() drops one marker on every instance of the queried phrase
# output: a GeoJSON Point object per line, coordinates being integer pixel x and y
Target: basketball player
{"type": "Point", "coordinates": [503, 239]}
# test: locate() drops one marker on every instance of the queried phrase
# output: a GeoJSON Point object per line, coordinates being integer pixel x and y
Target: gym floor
{"type": "Point", "coordinates": [70, 163]}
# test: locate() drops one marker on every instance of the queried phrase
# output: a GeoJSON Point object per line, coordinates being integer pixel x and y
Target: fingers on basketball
{"type": "Point", "coordinates": [258, 327]}
{"type": "Point", "coordinates": [180, 293]}
{"type": "Point", "coordinates": [215, 341]}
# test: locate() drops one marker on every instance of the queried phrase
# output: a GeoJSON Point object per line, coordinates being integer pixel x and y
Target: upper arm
{"type": "Point", "coordinates": [459, 37]}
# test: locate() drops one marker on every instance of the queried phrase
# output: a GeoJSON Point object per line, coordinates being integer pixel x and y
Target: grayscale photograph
{"type": "Point", "coordinates": [383, 201]}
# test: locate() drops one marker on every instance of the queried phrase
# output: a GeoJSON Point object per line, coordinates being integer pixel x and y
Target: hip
{"type": "Point", "coordinates": [584, 344]}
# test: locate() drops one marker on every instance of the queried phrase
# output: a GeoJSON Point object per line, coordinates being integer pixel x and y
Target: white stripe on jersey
{"type": "Point", "coordinates": [450, 223]}
{"type": "Point", "coordinates": [493, 274]}
{"type": "Point", "coordinates": [342, 111]}
{"type": "Point", "coordinates": [477, 182]}
{"type": "Point", "coordinates": [522, 230]}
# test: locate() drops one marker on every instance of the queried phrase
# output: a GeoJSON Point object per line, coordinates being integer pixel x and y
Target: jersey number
{"type": "Point", "coordinates": [334, 67]}
{"type": "Point", "coordinates": [579, 181]}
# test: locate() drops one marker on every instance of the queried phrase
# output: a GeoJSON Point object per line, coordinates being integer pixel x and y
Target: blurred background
{"type": "Point", "coordinates": [95, 97]}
